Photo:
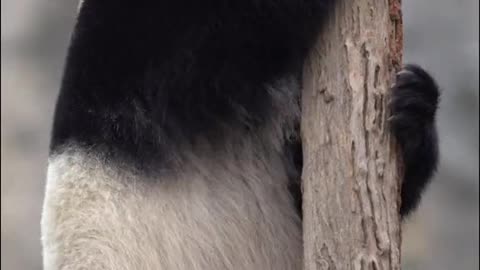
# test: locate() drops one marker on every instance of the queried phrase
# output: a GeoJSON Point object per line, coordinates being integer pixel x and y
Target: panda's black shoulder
{"type": "Point", "coordinates": [141, 76]}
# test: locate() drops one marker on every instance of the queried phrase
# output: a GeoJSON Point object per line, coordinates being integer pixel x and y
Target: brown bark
{"type": "Point", "coordinates": [351, 175]}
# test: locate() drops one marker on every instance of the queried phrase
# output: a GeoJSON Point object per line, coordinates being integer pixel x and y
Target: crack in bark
{"type": "Point", "coordinates": [357, 226]}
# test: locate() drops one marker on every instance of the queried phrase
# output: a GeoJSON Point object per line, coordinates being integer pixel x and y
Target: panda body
{"type": "Point", "coordinates": [175, 140]}
{"type": "Point", "coordinates": [211, 207]}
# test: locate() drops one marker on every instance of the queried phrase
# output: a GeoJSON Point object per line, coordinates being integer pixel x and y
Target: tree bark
{"type": "Point", "coordinates": [351, 174]}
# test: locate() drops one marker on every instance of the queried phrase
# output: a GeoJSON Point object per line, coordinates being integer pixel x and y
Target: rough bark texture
{"type": "Point", "coordinates": [351, 177]}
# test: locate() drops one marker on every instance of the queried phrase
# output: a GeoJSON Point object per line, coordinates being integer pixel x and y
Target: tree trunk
{"type": "Point", "coordinates": [351, 179]}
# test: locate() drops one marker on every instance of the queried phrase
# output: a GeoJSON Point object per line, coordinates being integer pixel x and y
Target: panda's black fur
{"type": "Point", "coordinates": [177, 70]}
{"type": "Point", "coordinates": [147, 80]}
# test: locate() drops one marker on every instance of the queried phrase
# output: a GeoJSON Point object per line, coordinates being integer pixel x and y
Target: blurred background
{"type": "Point", "coordinates": [441, 35]}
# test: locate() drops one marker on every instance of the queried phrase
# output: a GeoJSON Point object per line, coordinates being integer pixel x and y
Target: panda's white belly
{"type": "Point", "coordinates": [204, 217]}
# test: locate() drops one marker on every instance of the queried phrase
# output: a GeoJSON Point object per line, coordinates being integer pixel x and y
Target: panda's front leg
{"type": "Point", "coordinates": [413, 104]}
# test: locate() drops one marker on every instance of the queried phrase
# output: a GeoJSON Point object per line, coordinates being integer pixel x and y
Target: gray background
{"type": "Point", "coordinates": [441, 35]}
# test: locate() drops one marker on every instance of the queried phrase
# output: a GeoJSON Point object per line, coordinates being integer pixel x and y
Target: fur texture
{"type": "Point", "coordinates": [228, 208]}
{"type": "Point", "coordinates": [209, 215]}
{"type": "Point", "coordinates": [175, 141]}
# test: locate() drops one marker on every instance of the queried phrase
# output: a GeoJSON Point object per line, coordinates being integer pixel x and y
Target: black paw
{"type": "Point", "coordinates": [413, 105]}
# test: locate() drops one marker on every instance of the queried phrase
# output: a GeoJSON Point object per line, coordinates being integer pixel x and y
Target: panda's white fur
{"type": "Point", "coordinates": [231, 210]}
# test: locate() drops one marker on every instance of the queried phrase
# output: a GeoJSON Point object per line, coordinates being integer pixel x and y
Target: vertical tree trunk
{"type": "Point", "coordinates": [351, 178]}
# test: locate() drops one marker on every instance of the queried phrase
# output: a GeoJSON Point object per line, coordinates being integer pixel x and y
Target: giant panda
{"type": "Point", "coordinates": [175, 140]}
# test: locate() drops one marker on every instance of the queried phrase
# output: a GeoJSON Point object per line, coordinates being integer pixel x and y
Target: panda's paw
{"type": "Point", "coordinates": [413, 104]}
